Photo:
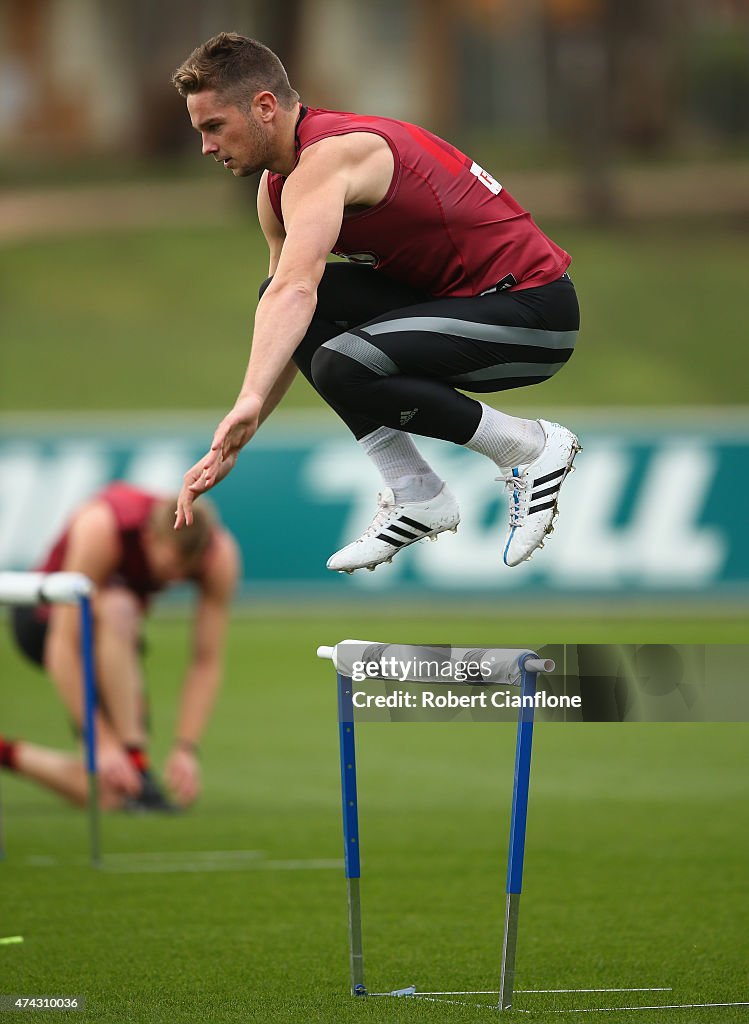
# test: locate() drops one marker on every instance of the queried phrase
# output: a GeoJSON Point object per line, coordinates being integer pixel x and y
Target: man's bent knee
{"type": "Point", "coordinates": [347, 361]}
{"type": "Point", "coordinates": [331, 373]}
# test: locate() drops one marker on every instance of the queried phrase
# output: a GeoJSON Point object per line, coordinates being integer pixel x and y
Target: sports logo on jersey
{"type": "Point", "coordinates": [367, 259]}
{"type": "Point", "coordinates": [486, 179]}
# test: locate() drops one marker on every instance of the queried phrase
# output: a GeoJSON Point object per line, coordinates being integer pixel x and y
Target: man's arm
{"type": "Point", "coordinates": [277, 392]}
{"type": "Point", "coordinates": [275, 236]}
{"type": "Point", "coordinates": [313, 198]}
{"type": "Point", "coordinates": [271, 226]}
{"type": "Point", "coordinates": [203, 677]}
{"type": "Point", "coordinates": [94, 549]}
{"type": "Point", "coordinates": [313, 201]}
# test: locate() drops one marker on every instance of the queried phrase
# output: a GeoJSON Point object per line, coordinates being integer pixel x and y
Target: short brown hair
{"type": "Point", "coordinates": [238, 68]}
{"type": "Point", "coordinates": [191, 541]}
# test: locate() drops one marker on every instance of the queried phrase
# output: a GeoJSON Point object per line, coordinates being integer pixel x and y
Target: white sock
{"type": "Point", "coordinates": [401, 465]}
{"type": "Point", "coordinates": [507, 440]}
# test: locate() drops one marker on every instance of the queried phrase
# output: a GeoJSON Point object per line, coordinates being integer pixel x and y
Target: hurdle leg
{"type": "Point", "coordinates": [516, 853]}
{"type": "Point", "coordinates": [350, 812]}
{"type": "Point", "coordinates": [89, 705]}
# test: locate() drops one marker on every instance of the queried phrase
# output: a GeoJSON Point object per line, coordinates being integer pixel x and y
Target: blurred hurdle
{"type": "Point", "coordinates": [34, 588]}
{"type": "Point", "coordinates": [509, 667]}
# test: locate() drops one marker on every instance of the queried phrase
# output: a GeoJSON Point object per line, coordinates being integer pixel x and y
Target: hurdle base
{"type": "Point", "coordinates": [399, 993]}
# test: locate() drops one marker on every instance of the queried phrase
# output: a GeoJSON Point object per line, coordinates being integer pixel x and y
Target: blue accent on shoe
{"type": "Point", "coordinates": [515, 472]}
{"type": "Point", "coordinates": [507, 546]}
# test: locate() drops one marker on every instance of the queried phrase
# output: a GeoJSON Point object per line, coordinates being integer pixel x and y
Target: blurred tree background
{"type": "Point", "coordinates": [624, 128]}
{"type": "Point", "coordinates": [589, 82]}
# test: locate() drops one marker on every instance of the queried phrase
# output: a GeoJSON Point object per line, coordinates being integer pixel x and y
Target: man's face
{"type": "Point", "coordinates": [237, 138]}
{"type": "Point", "coordinates": [163, 556]}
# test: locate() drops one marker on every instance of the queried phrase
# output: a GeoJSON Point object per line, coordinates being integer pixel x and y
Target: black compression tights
{"type": "Point", "coordinates": [383, 354]}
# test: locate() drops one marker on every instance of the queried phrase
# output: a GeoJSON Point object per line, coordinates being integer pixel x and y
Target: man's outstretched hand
{"type": "Point", "coordinates": [232, 434]}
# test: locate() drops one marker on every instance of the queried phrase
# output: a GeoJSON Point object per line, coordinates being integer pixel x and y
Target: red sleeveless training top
{"type": "Point", "coordinates": [131, 507]}
{"type": "Point", "coordinates": [445, 225]}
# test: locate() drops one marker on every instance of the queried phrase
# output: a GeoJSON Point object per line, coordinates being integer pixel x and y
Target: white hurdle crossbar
{"type": "Point", "coordinates": [514, 667]}
{"type": "Point", "coordinates": [33, 588]}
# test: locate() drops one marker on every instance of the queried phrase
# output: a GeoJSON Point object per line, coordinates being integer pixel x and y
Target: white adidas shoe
{"type": "Point", "coordinates": [534, 493]}
{"type": "Point", "coordinates": [395, 526]}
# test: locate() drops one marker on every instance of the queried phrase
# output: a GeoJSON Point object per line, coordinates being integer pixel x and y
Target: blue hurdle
{"type": "Point", "coordinates": [522, 669]}
{"type": "Point", "coordinates": [89, 728]}
{"type": "Point", "coordinates": [518, 819]}
{"type": "Point", "coordinates": [350, 813]}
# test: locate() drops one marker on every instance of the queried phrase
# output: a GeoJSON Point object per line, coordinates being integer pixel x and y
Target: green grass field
{"type": "Point", "coordinates": [102, 322]}
{"type": "Point", "coordinates": [236, 911]}
{"type": "Point", "coordinates": [635, 870]}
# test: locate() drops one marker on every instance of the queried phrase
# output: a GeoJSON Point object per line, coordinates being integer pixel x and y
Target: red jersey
{"type": "Point", "coordinates": [131, 507]}
{"type": "Point", "coordinates": [445, 225]}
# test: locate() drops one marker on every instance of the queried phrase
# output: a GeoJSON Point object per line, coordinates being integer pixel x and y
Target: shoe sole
{"type": "Point", "coordinates": [576, 447]}
{"type": "Point", "coordinates": [371, 566]}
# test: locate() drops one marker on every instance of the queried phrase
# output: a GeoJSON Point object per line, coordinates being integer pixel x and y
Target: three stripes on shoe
{"type": "Point", "coordinates": [547, 492]}
{"type": "Point", "coordinates": [408, 535]}
{"type": "Point", "coordinates": [400, 537]}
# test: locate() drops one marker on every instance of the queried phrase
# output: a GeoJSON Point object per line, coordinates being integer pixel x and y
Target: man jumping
{"type": "Point", "coordinates": [449, 285]}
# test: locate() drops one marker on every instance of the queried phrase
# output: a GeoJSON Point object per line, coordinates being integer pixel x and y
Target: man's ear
{"type": "Point", "coordinates": [264, 105]}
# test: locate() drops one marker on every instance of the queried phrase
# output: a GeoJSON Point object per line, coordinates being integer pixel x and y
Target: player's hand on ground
{"type": "Point", "coordinates": [117, 771]}
{"type": "Point", "coordinates": [182, 774]}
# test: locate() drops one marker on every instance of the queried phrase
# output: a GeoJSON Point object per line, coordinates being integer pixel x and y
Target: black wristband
{"type": "Point", "coordinates": [188, 745]}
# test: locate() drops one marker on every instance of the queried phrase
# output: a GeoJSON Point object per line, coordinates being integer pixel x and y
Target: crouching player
{"type": "Point", "coordinates": [124, 541]}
